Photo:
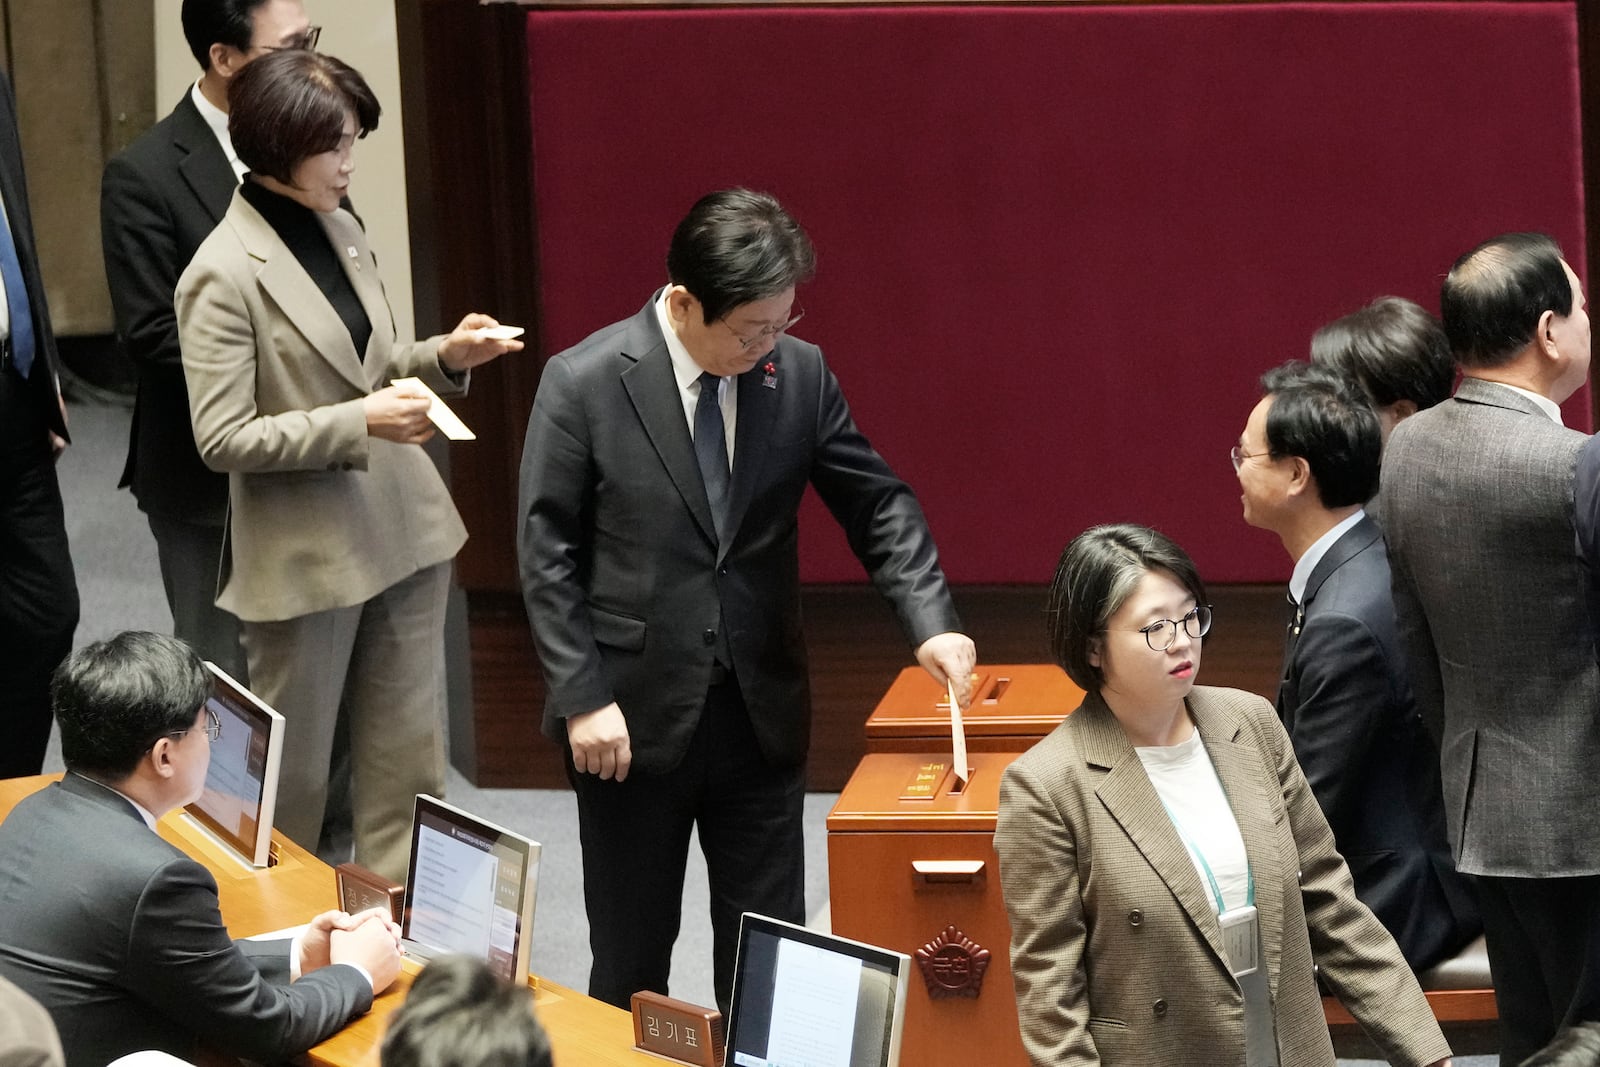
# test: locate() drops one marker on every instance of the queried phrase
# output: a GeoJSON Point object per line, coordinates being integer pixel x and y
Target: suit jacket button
{"type": "Point", "coordinates": [1159, 1007]}
{"type": "Point", "coordinates": [709, 637]}
{"type": "Point", "coordinates": [1135, 917]}
{"type": "Point", "coordinates": [722, 570]}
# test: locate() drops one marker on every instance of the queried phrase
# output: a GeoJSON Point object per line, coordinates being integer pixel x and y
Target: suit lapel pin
{"type": "Point", "coordinates": [350, 250]}
{"type": "Point", "coordinates": [770, 376]}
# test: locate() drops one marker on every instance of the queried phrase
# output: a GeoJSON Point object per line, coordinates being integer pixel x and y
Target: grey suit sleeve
{"type": "Point", "coordinates": [1344, 689]}
{"type": "Point", "coordinates": [1427, 682]}
{"type": "Point", "coordinates": [880, 517]}
{"type": "Point", "coordinates": [555, 494]}
{"type": "Point", "coordinates": [1039, 879]}
{"type": "Point", "coordinates": [137, 237]}
{"type": "Point", "coordinates": [1355, 955]}
{"type": "Point", "coordinates": [182, 962]}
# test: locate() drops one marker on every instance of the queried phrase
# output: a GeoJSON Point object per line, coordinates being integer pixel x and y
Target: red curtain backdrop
{"type": "Point", "coordinates": [1058, 245]}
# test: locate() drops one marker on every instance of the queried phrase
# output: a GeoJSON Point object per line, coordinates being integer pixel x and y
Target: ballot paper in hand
{"type": "Point", "coordinates": [439, 413]}
{"type": "Point", "coordinates": [958, 734]}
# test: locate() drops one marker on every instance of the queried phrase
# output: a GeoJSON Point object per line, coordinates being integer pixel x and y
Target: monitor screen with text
{"type": "Point", "coordinates": [802, 998]}
{"type": "Point", "coordinates": [470, 889]}
{"type": "Point", "coordinates": [241, 787]}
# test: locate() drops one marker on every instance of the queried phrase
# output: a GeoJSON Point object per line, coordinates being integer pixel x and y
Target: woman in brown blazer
{"type": "Point", "coordinates": [1169, 876]}
{"type": "Point", "coordinates": [341, 531]}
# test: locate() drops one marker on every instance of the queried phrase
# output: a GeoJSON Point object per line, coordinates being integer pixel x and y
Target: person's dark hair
{"type": "Point", "coordinates": [1573, 1046]}
{"type": "Point", "coordinates": [1393, 348]}
{"type": "Point", "coordinates": [461, 1014]}
{"type": "Point", "coordinates": [1494, 295]}
{"type": "Point", "coordinates": [290, 105]}
{"type": "Point", "coordinates": [209, 22]}
{"type": "Point", "coordinates": [115, 698]}
{"type": "Point", "coordinates": [736, 246]}
{"type": "Point", "coordinates": [1323, 417]}
{"type": "Point", "coordinates": [1095, 576]}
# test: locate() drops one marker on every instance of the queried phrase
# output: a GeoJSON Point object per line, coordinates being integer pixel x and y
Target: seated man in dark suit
{"type": "Point", "coordinates": [1306, 461]}
{"type": "Point", "coordinates": [116, 932]}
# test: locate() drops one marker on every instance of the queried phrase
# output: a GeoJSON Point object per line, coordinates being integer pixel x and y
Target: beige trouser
{"type": "Point", "coordinates": [381, 664]}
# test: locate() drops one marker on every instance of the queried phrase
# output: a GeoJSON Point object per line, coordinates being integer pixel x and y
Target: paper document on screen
{"type": "Point", "coordinates": [452, 900]}
{"type": "Point", "coordinates": [813, 1007]}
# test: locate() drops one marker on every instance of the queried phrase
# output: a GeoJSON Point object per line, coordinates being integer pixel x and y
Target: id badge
{"type": "Point", "coordinates": [1239, 940]}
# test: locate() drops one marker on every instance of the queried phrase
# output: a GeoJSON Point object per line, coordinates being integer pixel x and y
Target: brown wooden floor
{"type": "Point", "coordinates": [856, 652]}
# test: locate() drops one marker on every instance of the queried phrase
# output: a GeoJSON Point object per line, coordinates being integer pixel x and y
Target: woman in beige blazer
{"type": "Point", "coordinates": [1162, 840]}
{"type": "Point", "coordinates": [341, 530]}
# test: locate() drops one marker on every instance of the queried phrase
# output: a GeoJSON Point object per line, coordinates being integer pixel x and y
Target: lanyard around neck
{"type": "Point", "coordinates": [1200, 858]}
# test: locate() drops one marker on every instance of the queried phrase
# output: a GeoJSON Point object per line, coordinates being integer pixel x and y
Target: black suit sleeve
{"type": "Point", "coordinates": [1344, 689]}
{"type": "Point", "coordinates": [880, 517]}
{"type": "Point", "coordinates": [556, 493]}
{"type": "Point", "coordinates": [182, 962]}
{"type": "Point", "coordinates": [138, 236]}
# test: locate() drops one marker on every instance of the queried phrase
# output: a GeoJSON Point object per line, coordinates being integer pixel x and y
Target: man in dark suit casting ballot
{"type": "Point", "coordinates": [665, 462]}
{"type": "Point", "coordinates": [118, 933]}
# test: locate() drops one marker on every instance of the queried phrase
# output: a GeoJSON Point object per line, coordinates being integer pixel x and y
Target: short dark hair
{"type": "Point", "coordinates": [1323, 418]}
{"type": "Point", "coordinates": [1573, 1046]}
{"type": "Point", "coordinates": [461, 1014]}
{"type": "Point", "coordinates": [209, 22]}
{"type": "Point", "coordinates": [114, 699]}
{"type": "Point", "coordinates": [1494, 295]}
{"type": "Point", "coordinates": [290, 105]}
{"type": "Point", "coordinates": [736, 246]}
{"type": "Point", "coordinates": [1393, 349]}
{"type": "Point", "coordinates": [1095, 576]}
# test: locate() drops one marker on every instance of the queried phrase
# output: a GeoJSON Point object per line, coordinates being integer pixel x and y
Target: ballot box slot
{"type": "Point", "coordinates": [995, 693]}
{"type": "Point", "coordinates": [947, 872]}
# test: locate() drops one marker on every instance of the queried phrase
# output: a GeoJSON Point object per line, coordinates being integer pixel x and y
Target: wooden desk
{"type": "Point", "coordinates": [582, 1030]}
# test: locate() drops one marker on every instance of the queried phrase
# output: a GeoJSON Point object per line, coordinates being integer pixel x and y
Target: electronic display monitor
{"type": "Point", "coordinates": [802, 997]}
{"type": "Point", "coordinates": [241, 788]}
{"type": "Point", "coordinates": [470, 889]}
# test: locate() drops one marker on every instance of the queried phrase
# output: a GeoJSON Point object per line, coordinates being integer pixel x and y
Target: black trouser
{"type": "Point", "coordinates": [38, 590]}
{"type": "Point", "coordinates": [635, 837]}
{"type": "Point", "coordinates": [1543, 936]}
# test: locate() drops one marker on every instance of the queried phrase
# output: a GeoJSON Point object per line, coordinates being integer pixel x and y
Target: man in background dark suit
{"type": "Point", "coordinates": [663, 589]}
{"type": "Point", "coordinates": [38, 589]}
{"type": "Point", "coordinates": [116, 932]}
{"type": "Point", "coordinates": [159, 199]}
{"type": "Point", "coordinates": [1307, 460]}
{"type": "Point", "coordinates": [1478, 513]}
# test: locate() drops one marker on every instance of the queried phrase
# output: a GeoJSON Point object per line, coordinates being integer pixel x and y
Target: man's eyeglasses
{"type": "Point", "coordinates": [213, 728]}
{"type": "Point", "coordinates": [1160, 634]}
{"type": "Point", "coordinates": [1239, 455]}
{"type": "Point", "coordinates": [306, 42]}
{"type": "Point", "coordinates": [762, 334]}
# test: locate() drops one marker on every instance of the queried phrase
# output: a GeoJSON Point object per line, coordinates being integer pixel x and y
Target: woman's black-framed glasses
{"type": "Point", "coordinates": [1160, 634]}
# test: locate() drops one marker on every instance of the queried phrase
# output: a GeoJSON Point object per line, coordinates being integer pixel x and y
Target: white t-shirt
{"type": "Point", "coordinates": [1187, 784]}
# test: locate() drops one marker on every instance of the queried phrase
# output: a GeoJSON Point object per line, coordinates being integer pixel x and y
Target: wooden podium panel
{"type": "Point", "coordinates": [1013, 705]}
{"type": "Point", "coordinates": [921, 874]}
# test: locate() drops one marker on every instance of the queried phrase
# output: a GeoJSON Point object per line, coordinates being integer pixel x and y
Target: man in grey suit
{"type": "Point", "coordinates": [1477, 497]}
{"type": "Point", "coordinates": [116, 932]}
{"type": "Point", "coordinates": [665, 463]}
{"type": "Point", "coordinates": [1307, 460]}
{"type": "Point", "coordinates": [159, 199]}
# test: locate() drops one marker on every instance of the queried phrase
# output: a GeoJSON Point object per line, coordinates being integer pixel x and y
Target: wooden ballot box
{"type": "Point", "coordinates": [911, 867]}
{"type": "Point", "coordinates": [1013, 705]}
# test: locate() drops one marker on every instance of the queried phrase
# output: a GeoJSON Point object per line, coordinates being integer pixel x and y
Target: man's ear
{"type": "Point", "coordinates": [226, 60]}
{"type": "Point", "coordinates": [1300, 480]}
{"type": "Point", "coordinates": [680, 304]}
{"type": "Point", "coordinates": [160, 757]}
{"type": "Point", "coordinates": [1545, 335]}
